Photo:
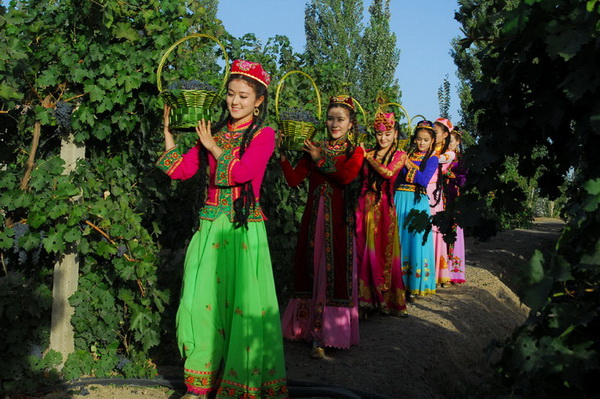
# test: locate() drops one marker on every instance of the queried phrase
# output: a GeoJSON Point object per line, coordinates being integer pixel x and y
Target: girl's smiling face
{"type": "Point", "coordinates": [338, 122]}
{"type": "Point", "coordinates": [386, 138]}
{"type": "Point", "coordinates": [241, 99]}
{"type": "Point", "coordinates": [424, 140]}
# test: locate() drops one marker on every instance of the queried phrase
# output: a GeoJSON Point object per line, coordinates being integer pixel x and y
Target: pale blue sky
{"type": "Point", "coordinates": [424, 29]}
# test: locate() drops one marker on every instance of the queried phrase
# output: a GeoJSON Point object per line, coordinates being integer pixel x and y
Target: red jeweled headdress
{"type": "Point", "coordinates": [251, 69]}
{"type": "Point", "coordinates": [342, 99]}
{"type": "Point", "coordinates": [384, 122]}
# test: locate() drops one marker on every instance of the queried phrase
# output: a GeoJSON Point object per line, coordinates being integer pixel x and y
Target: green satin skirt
{"type": "Point", "coordinates": [228, 325]}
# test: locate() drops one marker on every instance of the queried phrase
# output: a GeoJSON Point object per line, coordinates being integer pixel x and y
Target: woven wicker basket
{"type": "Point", "coordinates": [190, 106]}
{"type": "Point", "coordinates": [295, 132]}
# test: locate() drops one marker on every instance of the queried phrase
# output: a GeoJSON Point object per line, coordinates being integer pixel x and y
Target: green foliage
{"type": "Point", "coordinates": [348, 58]}
{"type": "Point", "coordinates": [128, 222]}
{"type": "Point", "coordinates": [379, 57]}
{"type": "Point", "coordinates": [333, 44]}
{"type": "Point", "coordinates": [102, 58]}
{"type": "Point", "coordinates": [557, 348]}
{"type": "Point", "coordinates": [534, 99]}
{"type": "Point", "coordinates": [25, 304]}
{"type": "Point", "coordinates": [283, 207]}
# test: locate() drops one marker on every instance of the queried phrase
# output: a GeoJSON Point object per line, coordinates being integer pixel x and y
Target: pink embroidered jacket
{"type": "Point", "coordinates": [229, 172]}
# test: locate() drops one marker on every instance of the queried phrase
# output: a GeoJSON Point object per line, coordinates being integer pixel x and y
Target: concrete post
{"type": "Point", "coordinates": [66, 270]}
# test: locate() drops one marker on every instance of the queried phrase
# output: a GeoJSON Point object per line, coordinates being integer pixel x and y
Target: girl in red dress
{"type": "Point", "coordinates": [324, 304]}
{"type": "Point", "coordinates": [377, 234]}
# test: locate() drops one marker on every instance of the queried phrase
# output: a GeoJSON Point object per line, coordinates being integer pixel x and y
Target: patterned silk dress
{"type": "Point", "coordinates": [418, 263]}
{"type": "Point", "coordinates": [378, 249]}
{"type": "Point", "coordinates": [456, 177]}
{"type": "Point", "coordinates": [324, 302]}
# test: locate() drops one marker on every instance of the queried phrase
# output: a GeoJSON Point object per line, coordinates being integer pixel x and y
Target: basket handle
{"type": "Point", "coordinates": [177, 43]}
{"type": "Point", "coordinates": [280, 85]}
{"type": "Point", "coordinates": [405, 112]}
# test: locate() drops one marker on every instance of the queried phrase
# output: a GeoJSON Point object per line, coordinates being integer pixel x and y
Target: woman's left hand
{"type": "Point", "coordinates": [314, 151]}
{"type": "Point", "coordinates": [279, 143]}
{"type": "Point", "coordinates": [206, 138]}
{"type": "Point", "coordinates": [204, 134]}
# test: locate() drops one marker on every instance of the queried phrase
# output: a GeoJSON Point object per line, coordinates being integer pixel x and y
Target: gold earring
{"type": "Point", "coordinates": [256, 111]}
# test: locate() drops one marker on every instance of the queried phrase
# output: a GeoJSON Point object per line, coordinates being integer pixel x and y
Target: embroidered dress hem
{"type": "Point", "coordinates": [228, 287]}
{"type": "Point", "coordinates": [418, 266]}
{"type": "Point", "coordinates": [380, 282]}
{"type": "Point", "coordinates": [422, 293]}
{"type": "Point", "coordinates": [339, 330]}
{"type": "Point", "coordinates": [311, 319]}
{"type": "Point", "coordinates": [457, 258]}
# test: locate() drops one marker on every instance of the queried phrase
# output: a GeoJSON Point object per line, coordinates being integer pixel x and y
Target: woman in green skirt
{"type": "Point", "coordinates": [228, 326]}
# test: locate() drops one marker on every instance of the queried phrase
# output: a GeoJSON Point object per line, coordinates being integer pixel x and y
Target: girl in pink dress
{"type": "Point", "coordinates": [435, 193]}
{"type": "Point", "coordinates": [378, 256]}
{"type": "Point", "coordinates": [323, 308]}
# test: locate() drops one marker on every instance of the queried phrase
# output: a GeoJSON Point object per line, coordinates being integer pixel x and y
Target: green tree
{"type": "Point", "coordinates": [379, 57]}
{"type": "Point", "coordinates": [537, 94]}
{"type": "Point", "coordinates": [333, 29]}
{"type": "Point", "coordinates": [444, 98]}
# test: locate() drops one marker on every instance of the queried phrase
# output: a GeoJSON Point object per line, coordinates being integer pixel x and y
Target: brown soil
{"type": "Point", "coordinates": [439, 351]}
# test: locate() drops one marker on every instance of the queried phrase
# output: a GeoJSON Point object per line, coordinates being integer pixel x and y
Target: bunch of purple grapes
{"type": "Point", "coordinates": [190, 85]}
{"type": "Point", "coordinates": [299, 115]}
{"type": "Point", "coordinates": [361, 130]}
{"type": "Point", "coordinates": [62, 113]}
{"type": "Point", "coordinates": [25, 256]}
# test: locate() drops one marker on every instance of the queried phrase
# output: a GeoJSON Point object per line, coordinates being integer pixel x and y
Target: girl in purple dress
{"type": "Point", "coordinates": [455, 178]}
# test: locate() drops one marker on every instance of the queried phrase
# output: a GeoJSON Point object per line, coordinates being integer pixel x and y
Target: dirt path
{"type": "Point", "coordinates": [439, 351]}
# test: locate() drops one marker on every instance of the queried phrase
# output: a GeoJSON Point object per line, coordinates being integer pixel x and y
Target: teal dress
{"type": "Point", "coordinates": [418, 261]}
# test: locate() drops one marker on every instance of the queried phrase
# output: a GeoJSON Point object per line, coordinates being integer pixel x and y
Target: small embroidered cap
{"type": "Point", "coordinates": [424, 124]}
{"type": "Point", "coordinates": [251, 69]}
{"type": "Point", "coordinates": [342, 99]}
{"type": "Point", "coordinates": [445, 122]}
{"type": "Point", "coordinates": [384, 122]}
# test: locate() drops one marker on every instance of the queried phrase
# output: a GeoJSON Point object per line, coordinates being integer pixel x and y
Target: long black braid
{"type": "Point", "coordinates": [245, 204]}
{"type": "Point", "coordinates": [350, 191]}
{"type": "Point", "coordinates": [374, 178]}
{"type": "Point", "coordinates": [439, 185]}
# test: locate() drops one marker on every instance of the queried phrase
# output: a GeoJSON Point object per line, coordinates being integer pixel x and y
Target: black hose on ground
{"type": "Point", "coordinates": [296, 388]}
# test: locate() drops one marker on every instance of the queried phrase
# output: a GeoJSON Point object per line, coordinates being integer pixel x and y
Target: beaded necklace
{"type": "Point", "coordinates": [334, 149]}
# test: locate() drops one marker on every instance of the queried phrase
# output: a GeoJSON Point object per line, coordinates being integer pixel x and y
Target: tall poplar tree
{"type": "Point", "coordinates": [379, 57]}
{"type": "Point", "coordinates": [444, 98]}
{"type": "Point", "coordinates": [333, 32]}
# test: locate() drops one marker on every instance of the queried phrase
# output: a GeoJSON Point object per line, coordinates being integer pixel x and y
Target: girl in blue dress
{"type": "Point", "coordinates": [418, 262]}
